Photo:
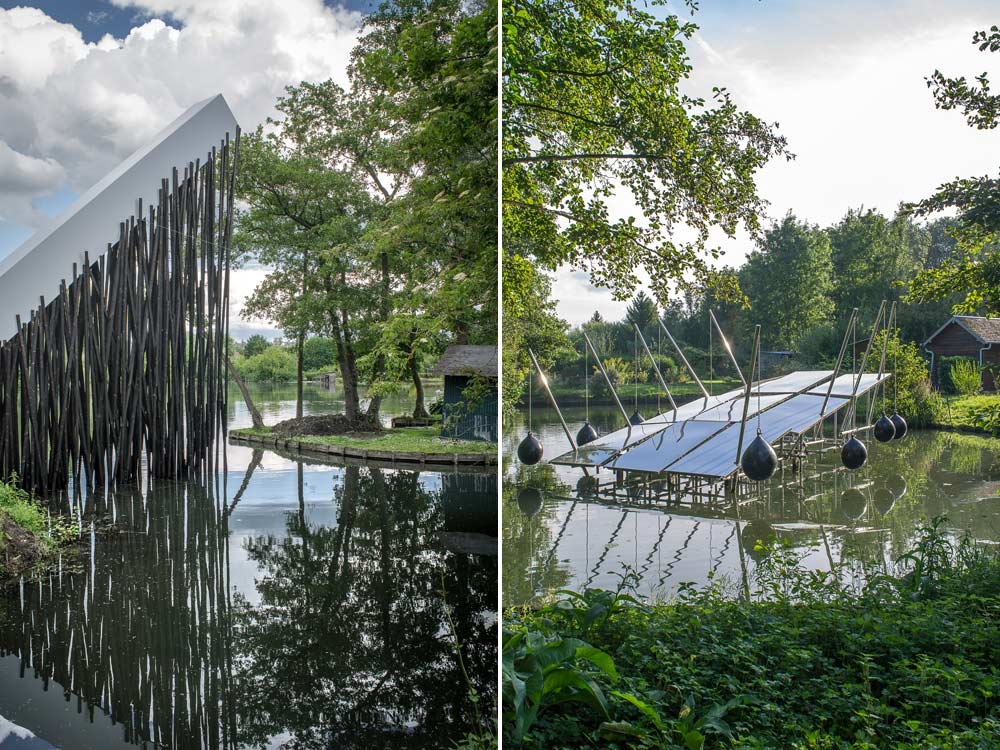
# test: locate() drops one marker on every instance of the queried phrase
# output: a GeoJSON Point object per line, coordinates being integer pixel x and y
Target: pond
{"type": "Point", "coordinates": [286, 603]}
{"type": "Point", "coordinates": [566, 541]}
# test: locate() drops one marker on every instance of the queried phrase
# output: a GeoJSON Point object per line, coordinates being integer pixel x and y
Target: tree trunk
{"type": "Point", "coordinates": [378, 369]}
{"type": "Point", "coordinates": [419, 409]}
{"type": "Point", "coordinates": [258, 423]}
{"type": "Point", "coordinates": [300, 357]}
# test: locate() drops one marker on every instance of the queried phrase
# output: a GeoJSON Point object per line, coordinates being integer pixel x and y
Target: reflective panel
{"type": "Point", "coordinates": [795, 382]}
{"type": "Point", "coordinates": [664, 448]}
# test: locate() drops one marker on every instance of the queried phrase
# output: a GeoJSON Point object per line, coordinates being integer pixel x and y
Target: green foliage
{"type": "Point", "coordinates": [319, 352]}
{"type": "Point", "coordinates": [25, 511]}
{"type": "Point", "coordinates": [273, 364]}
{"type": "Point", "coordinates": [909, 391]}
{"type": "Point", "coordinates": [622, 374]}
{"type": "Point", "coordinates": [975, 273]}
{"type": "Point", "coordinates": [964, 377]}
{"type": "Point", "coordinates": [254, 345]}
{"type": "Point", "coordinates": [909, 662]}
{"type": "Point", "coordinates": [593, 104]}
{"type": "Point", "coordinates": [788, 283]}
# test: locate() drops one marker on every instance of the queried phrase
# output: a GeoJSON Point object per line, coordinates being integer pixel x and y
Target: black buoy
{"type": "Point", "coordinates": [883, 500]}
{"type": "Point", "coordinates": [900, 424]}
{"type": "Point", "coordinates": [636, 418]}
{"type": "Point", "coordinates": [530, 450]}
{"type": "Point", "coordinates": [586, 486]}
{"type": "Point", "coordinates": [759, 460]}
{"type": "Point", "coordinates": [587, 434]}
{"type": "Point", "coordinates": [529, 500]}
{"type": "Point", "coordinates": [854, 454]}
{"type": "Point", "coordinates": [896, 485]}
{"type": "Point", "coordinates": [884, 429]}
{"type": "Point", "coordinates": [853, 503]}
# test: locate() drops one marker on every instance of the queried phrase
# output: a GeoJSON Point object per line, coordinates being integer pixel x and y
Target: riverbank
{"type": "Point", "coordinates": [29, 537]}
{"type": "Point", "coordinates": [979, 413]}
{"type": "Point", "coordinates": [415, 446]}
{"type": "Point", "coordinates": [910, 662]}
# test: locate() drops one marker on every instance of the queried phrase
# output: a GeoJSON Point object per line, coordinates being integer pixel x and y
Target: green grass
{"type": "Point", "coordinates": [911, 662]}
{"type": "Point", "coordinates": [21, 508]}
{"type": "Point", "coordinates": [978, 412]}
{"type": "Point", "coordinates": [400, 439]}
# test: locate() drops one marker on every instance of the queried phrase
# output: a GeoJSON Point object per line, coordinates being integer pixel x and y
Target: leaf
{"type": "Point", "coordinates": [613, 730]}
{"type": "Point", "coordinates": [599, 659]}
{"type": "Point", "coordinates": [648, 711]}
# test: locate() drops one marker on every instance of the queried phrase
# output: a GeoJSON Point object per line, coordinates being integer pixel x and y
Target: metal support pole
{"type": "Point", "coordinates": [684, 360]}
{"type": "Point", "coordinates": [545, 385]}
{"type": "Point", "coordinates": [728, 348]}
{"type": "Point", "coordinates": [607, 379]}
{"type": "Point", "coordinates": [749, 387]}
{"type": "Point", "coordinates": [656, 369]}
{"type": "Point", "coordinates": [851, 322]}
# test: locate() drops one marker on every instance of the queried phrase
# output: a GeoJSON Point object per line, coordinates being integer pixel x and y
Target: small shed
{"type": "Point", "coordinates": [969, 336]}
{"type": "Point", "coordinates": [463, 365]}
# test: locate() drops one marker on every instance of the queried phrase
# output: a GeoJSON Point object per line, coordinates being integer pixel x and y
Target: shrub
{"type": "Point", "coordinates": [964, 376]}
{"type": "Point", "coordinates": [274, 363]}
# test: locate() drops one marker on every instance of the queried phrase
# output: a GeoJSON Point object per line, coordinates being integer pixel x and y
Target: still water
{"type": "Point", "coordinates": [288, 603]}
{"type": "Point", "coordinates": [569, 542]}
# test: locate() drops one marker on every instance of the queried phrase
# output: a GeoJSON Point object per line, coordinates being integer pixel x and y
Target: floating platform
{"type": "Point", "coordinates": [700, 438]}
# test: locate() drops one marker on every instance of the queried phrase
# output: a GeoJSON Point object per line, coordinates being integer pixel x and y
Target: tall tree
{"type": "Point", "coordinates": [873, 256]}
{"type": "Point", "coordinates": [595, 108]}
{"type": "Point", "coordinates": [789, 282]}
{"type": "Point", "coordinates": [976, 271]}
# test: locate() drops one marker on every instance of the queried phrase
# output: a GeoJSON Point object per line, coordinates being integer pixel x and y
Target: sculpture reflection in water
{"type": "Point", "coordinates": [140, 633]}
{"type": "Point", "coordinates": [345, 640]}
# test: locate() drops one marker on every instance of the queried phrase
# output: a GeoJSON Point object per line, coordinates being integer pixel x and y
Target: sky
{"type": "Point", "coordinates": [85, 84]}
{"type": "Point", "coordinates": [846, 82]}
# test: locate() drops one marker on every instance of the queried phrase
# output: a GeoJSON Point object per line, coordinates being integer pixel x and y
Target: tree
{"type": "Point", "coordinates": [254, 345]}
{"type": "Point", "coordinates": [594, 106]}
{"type": "Point", "coordinates": [642, 312]}
{"type": "Point", "coordinates": [976, 272]}
{"type": "Point", "coordinates": [415, 252]}
{"type": "Point", "coordinates": [789, 282]}
{"type": "Point", "coordinates": [872, 258]}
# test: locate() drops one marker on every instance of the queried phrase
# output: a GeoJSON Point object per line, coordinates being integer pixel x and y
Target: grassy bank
{"type": "Point", "coordinates": [980, 413]}
{"type": "Point", "coordinates": [28, 536]}
{"type": "Point", "coordinates": [911, 662]}
{"type": "Point", "coordinates": [401, 439]}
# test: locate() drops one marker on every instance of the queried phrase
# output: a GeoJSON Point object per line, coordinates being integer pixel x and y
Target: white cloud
{"type": "Point", "coordinates": [72, 110]}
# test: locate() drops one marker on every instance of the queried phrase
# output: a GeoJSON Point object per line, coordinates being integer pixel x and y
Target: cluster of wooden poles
{"type": "Point", "coordinates": [126, 366]}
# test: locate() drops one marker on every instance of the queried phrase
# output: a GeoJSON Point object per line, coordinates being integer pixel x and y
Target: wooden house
{"type": "Point", "coordinates": [468, 412]}
{"type": "Point", "coordinates": [966, 336]}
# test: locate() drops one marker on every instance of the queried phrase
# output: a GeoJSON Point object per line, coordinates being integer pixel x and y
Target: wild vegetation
{"type": "Point", "coordinates": [29, 535]}
{"type": "Point", "coordinates": [809, 662]}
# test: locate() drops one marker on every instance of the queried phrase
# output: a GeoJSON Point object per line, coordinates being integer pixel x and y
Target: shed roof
{"type": "Point", "coordinates": [460, 359]}
{"type": "Point", "coordinates": [984, 330]}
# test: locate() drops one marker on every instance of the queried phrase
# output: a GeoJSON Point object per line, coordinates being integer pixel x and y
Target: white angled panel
{"type": "Point", "coordinates": [36, 268]}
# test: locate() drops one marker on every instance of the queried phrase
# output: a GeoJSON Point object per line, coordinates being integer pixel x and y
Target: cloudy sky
{"type": "Point", "coordinates": [84, 84]}
{"type": "Point", "coordinates": [846, 82]}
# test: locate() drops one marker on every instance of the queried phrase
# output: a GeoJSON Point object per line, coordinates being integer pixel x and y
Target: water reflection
{"type": "Point", "coordinates": [308, 607]}
{"type": "Point", "coordinates": [862, 519]}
